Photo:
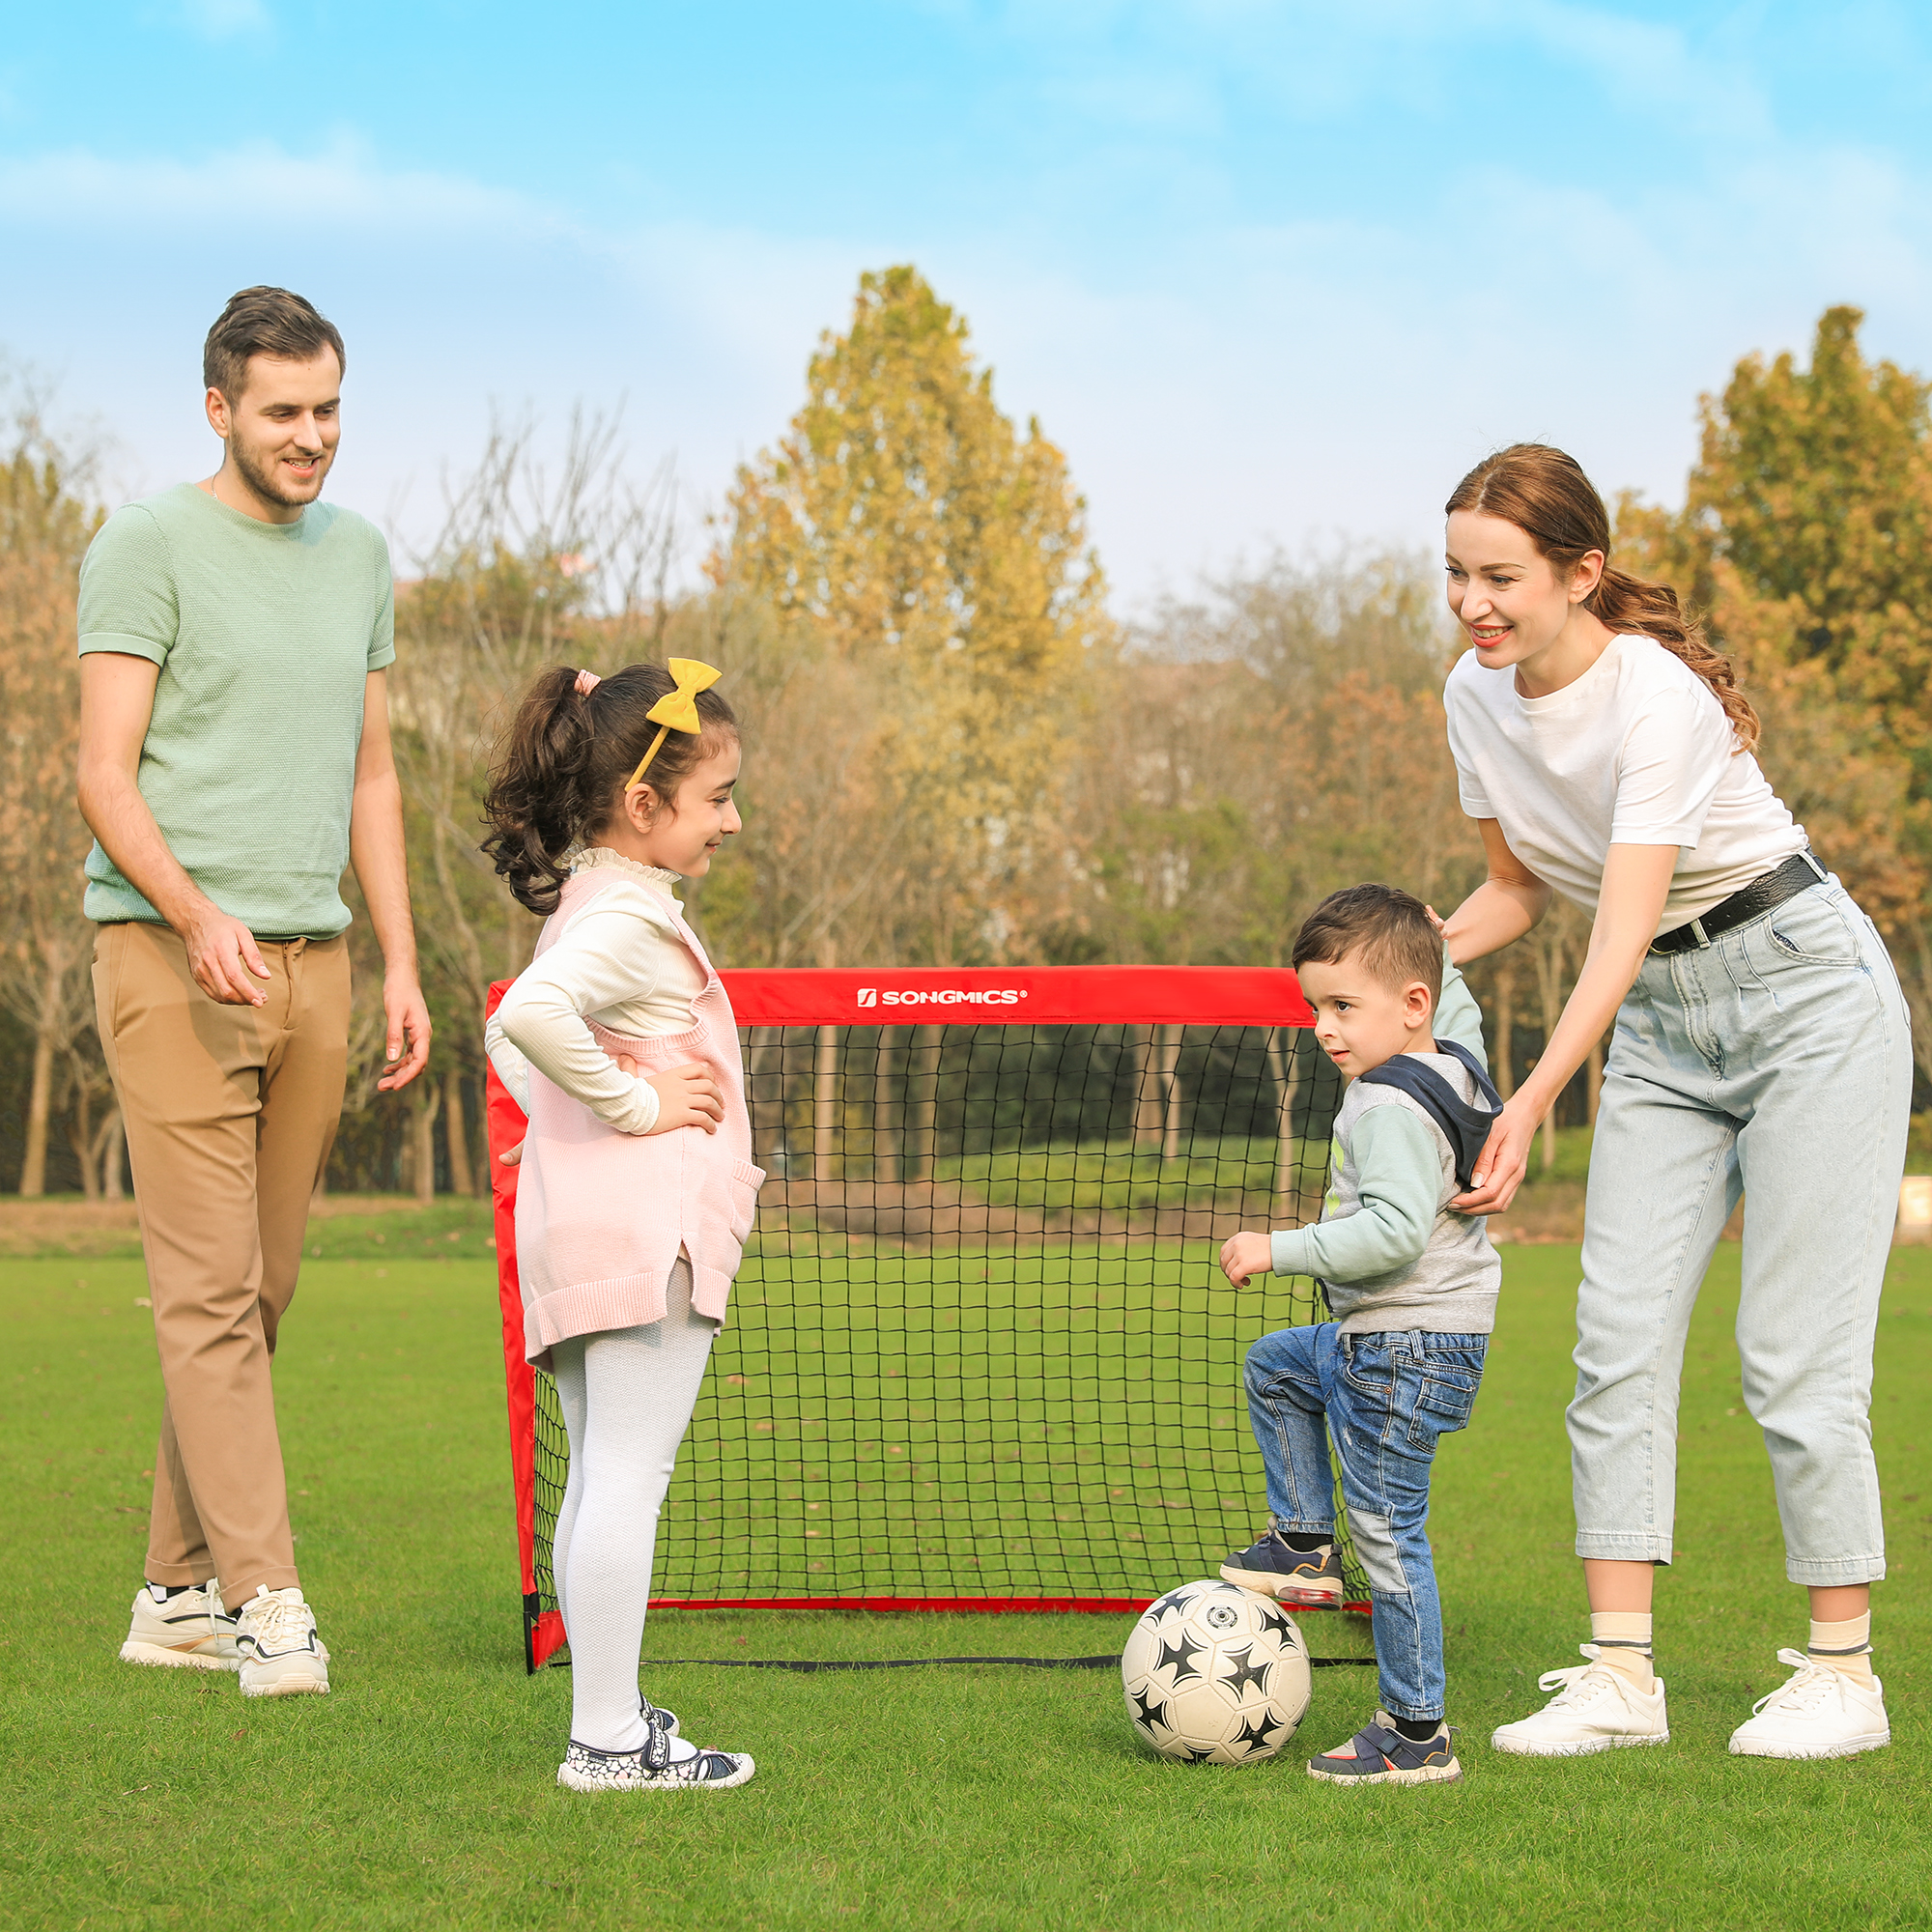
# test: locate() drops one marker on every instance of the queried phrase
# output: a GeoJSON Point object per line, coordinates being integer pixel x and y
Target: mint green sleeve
{"type": "Point", "coordinates": [127, 599]}
{"type": "Point", "coordinates": [1459, 1017]}
{"type": "Point", "coordinates": [383, 632]}
{"type": "Point", "coordinates": [1400, 1172]}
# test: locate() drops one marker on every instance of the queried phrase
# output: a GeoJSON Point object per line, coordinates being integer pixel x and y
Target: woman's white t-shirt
{"type": "Point", "coordinates": [1636, 752]}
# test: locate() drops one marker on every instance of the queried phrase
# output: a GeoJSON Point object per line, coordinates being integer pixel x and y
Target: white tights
{"type": "Point", "coordinates": [627, 1396]}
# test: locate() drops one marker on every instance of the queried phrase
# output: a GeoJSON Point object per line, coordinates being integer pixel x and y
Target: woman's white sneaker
{"type": "Point", "coordinates": [1596, 1708]}
{"type": "Point", "coordinates": [189, 1630]}
{"type": "Point", "coordinates": [1817, 1712]}
{"type": "Point", "coordinates": [280, 1653]}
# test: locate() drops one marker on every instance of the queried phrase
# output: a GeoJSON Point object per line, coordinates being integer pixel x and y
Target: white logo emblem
{"type": "Point", "coordinates": [1222, 1616]}
{"type": "Point", "coordinates": [868, 996]}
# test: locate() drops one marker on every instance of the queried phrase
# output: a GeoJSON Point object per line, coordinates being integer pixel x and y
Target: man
{"type": "Point", "coordinates": [235, 755]}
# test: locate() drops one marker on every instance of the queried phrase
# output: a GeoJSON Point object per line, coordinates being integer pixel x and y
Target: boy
{"type": "Point", "coordinates": [1412, 1284]}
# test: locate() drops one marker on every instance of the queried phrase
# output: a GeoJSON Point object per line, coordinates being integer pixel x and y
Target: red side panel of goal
{"type": "Point", "coordinates": [1026, 996]}
{"type": "Point", "coordinates": [506, 1124]}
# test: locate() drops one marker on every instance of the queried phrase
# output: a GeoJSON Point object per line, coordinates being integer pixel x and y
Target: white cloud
{"type": "Point", "coordinates": [340, 186]}
{"type": "Point", "coordinates": [1221, 387]}
{"type": "Point", "coordinates": [223, 19]}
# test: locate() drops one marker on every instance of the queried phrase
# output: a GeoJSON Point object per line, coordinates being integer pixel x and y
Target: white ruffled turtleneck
{"type": "Point", "coordinates": [620, 963]}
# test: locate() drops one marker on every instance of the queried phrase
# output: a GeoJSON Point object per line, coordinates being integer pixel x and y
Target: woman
{"type": "Point", "coordinates": [1761, 1047]}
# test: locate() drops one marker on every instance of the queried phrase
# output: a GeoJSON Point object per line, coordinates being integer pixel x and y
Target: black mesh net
{"type": "Point", "coordinates": [979, 1352]}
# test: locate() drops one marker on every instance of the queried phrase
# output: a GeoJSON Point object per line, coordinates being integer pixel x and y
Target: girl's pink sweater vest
{"type": "Point", "coordinates": [602, 1217]}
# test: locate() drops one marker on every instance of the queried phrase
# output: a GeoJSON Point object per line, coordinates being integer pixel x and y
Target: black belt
{"type": "Point", "coordinates": [1799, 873]}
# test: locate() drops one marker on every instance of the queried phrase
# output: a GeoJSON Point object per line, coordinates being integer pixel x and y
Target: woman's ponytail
{"type": "Point", "coordinates": [1627, 602]}
{"type": "Point", "coordinates": [537, 804]}
{"type": "Point", "coordinates": [1546, 496]}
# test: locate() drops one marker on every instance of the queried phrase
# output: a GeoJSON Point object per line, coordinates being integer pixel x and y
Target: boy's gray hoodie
{"type": "Point", "coordinates": [1390, 1250]}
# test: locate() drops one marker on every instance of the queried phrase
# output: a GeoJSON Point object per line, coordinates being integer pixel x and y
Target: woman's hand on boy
{"type": "Point", "coordinates": [688, 1096]}
{"type": "Point", "coordinates": [1243, 1254]}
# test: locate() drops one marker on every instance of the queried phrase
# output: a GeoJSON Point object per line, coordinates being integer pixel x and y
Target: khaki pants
{"type": "Point", "coordinates": [230, 1112]}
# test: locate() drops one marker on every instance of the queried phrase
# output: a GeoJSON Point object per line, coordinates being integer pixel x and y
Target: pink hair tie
{"type": "Point", "coordinates": [587, 681]}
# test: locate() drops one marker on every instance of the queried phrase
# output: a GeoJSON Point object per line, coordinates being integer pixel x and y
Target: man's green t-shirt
{"type": "Point", "coordinates": [265, 633]}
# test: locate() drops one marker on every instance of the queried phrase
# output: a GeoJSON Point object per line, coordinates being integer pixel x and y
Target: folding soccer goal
{"type": "Point", "coordinates": [979, 1355]}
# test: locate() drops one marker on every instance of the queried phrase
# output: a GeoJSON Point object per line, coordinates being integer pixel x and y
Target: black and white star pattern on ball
{"type": "Point", "coordinates": [1176, 1601]}
{"type": "Point", "coordinates": [1149, 1709]}
{"type": "Point", "coordinates": [1246, 1671]}
{"type": "Point", "coordinates": [1258, 1732]}
{"type": "Point", "coordinates": [1181, 1657]}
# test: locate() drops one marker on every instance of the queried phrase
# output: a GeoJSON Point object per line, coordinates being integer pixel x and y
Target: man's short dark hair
{"type": "Point", "coordinates": [263, 321]}
{"type": "Point", "coordinates": [1389, 928]}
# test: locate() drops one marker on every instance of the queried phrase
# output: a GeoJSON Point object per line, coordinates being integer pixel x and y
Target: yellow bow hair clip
{"type": "Point", "coordinates": [676, 710]}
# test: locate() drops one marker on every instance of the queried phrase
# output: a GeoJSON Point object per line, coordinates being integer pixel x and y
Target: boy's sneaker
{"type": "Point", "coordinates": [1379, 1754]}
{"type": "Point", "coordinates": [652, 1769]}
{"type": "Point", "coordinates": [1311, 1580]}
{"type": "Point", "coordinates": [188, 1630]}
{"type": "Point", "coordinates": [281, 1655]}
{"type": "Point", "coordinates": [1596, 1708]}
{"type": "Point", "coordinates": [1818, 1712]}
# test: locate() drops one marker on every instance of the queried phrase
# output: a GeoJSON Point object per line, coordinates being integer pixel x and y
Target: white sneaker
{"type": "Point", "coordinates": [1818, 1712]}
{"type": "Point", "coordinates": [275, 1639]}
{"type": "Point", "coordinates": [666, 1762]}
{"type": "Point", "coordinates": [1596, 1708]}
{"type": "Point", "coordinates": [188, 1630]}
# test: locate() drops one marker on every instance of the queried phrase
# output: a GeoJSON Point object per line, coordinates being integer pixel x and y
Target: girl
{"type": "Point", "coordinates": [1761, 1048]}
{"type": "Point", "coordinates": [637, 1192]}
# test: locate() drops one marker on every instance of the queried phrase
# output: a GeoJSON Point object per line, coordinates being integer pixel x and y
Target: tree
{"type": "Point", "coordinates": [940, 555]}
{"type": "Point", "coordinates": [45, 526]}
{"type": "Point", "coordinates": [528, 570]}
{"type": "Point", "coordinates": [1806, 539]}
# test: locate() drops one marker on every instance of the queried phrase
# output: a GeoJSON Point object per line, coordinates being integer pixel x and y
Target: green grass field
{"type": "Point", "coordinates": [420, 1792]}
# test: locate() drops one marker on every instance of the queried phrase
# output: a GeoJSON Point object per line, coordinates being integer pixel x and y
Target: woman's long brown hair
{"type": "Point", "coordinates": [1546, 494]}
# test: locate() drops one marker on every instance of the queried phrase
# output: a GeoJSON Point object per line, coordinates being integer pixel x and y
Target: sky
{"type": "Point", "coordinates": [1272, 274]}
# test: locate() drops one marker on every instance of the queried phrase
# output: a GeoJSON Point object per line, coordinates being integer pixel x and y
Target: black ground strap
{"type": "Point", "coordinates": [1107, 1663]}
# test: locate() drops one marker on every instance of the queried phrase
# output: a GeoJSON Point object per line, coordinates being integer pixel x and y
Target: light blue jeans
{"type": "Point", "coordinates": [1386, 1401]}
{"type": "Point", "coordinates": [1775, 1062]}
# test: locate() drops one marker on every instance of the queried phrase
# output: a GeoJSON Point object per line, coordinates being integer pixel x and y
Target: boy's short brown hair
{"type": "Point", "coordinates": [1389, 928]}
{"type": "Point", "coordinates": [263, 321]}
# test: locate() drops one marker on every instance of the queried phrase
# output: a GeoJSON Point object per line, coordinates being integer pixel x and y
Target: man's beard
{"type": "Point", "coordinates": [267, 483]}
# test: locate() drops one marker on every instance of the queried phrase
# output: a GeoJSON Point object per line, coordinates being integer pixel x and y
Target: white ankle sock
{"type": "Point", "coordinates": [1624, 1639]}
{"type": "Point", "coordinates": [1844, 1646]}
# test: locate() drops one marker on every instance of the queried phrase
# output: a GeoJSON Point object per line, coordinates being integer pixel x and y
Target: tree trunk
{"type": "Point", "coordinates": [1505, 1031]}
{"type": "Point", "coordinates": [825, 1107]}
{"type": "Point", "coordinates": [1170, 1087]}
{"type": "Point", "coordinates": [885, 1161]}
{"type": "Point", "coordinates": [1549, 1159]}
{"type": "Point", "coordinates": [425, 1104]}
{"type": "Point", "coordinates": [456, 1135]}
{"type": "Point", "coordinates": [766, 1098]}
{"type": "Point", "coordinates": [113, 1151]}
{"type": "Point", "coordinates": [1284, 1065]}
{"type": "Point", "coordinates": [923, 1103]}
{"type": "Point", "coordinates": [1150, 1117]}
{"type": "Point", "coordinates": [1593, 1083]}
{"type": "Point", "coordinates": [40, 1100]}
{"type": "Point", "coordinates": [85, 1143]}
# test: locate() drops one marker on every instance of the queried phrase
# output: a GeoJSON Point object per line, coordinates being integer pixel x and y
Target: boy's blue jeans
{"type": "Point", "coordinates": [1387, 1399]}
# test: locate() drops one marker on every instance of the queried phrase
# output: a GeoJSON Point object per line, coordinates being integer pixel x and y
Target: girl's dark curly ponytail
{"type": "Point", "coordinates": [559, 769]}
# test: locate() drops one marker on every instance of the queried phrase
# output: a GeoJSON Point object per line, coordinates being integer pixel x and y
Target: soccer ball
{"type": "Point", "coordinates": [1216, 1674]}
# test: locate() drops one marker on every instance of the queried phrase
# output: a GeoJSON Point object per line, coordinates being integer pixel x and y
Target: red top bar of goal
{"type": "Point", "coordinates": [1026, 995]}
